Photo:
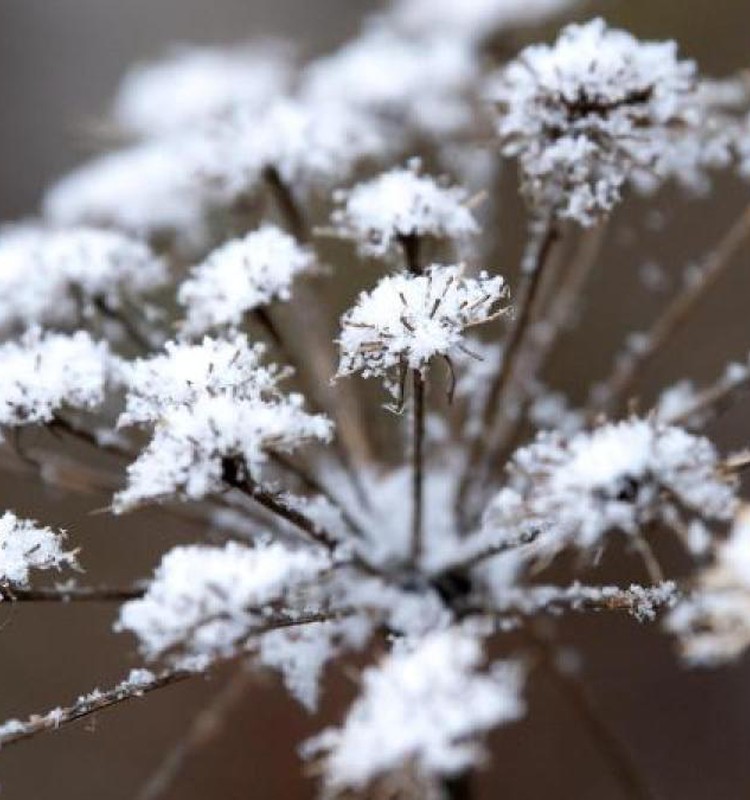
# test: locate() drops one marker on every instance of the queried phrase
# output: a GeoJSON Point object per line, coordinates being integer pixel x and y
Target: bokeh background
{"type": "Point", "coordinates": [689, 732]}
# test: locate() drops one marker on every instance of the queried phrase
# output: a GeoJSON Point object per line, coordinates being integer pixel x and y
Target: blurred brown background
{"type": "Point", "coordinates": [690, 732]}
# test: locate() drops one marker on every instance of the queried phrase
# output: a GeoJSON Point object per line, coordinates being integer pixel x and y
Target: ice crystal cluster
{"type": "Point", "coordinates": [197, 310]}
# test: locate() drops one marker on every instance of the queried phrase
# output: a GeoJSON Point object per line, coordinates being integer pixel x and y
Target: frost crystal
{"type": "Point", "coordinates": [43, 372]}
{"type": "Point", "coordinates": [471, 20]}
{"type": "Point", "coordinates": [25, 546]}
{"type": "Point", "coordinates": [402, 203]}
{"type": "Point", "coordinates": [586, 113]}
{"type": "Point", "coordinates": [242, 275]}
{"type": "Point", "coordinates": [619, 476]}
{"type": "Point", "coordinates": [205, 601]}
{"type": "Point", "coordinates": [420, 83]}
{"type": "Point", "coordinates": [46, 276]}
{"type": "Point", "coordinates": [193, 86]}
{"type": "Point", "coordinates": [424, 704]}
{"type": "Point", "coordinates": [406, 320]}
{"type": "Point", "coordinates": [209, 402]}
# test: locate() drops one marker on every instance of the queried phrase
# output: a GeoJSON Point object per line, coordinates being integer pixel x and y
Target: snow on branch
{"type": "Point", "coordinates": [399, 204]}
{"type": "Point", "coordinates": [196, 85]}
{"type": "Point", "coordinates": [210, 403]}
{"type": "Point", "coordinates": [25, 546]}
{"type": "Point", "coordinates": [44, 373]}
{"type": "Point", "coordinates": [425, 703]}
{"type": "Point", "coordinates": [240, 276]}
{"type": "Point", "coordinates": [407, 320]}
{"type": "Point", "coordinates": [620, 476]}
{"type": "Point", "coordinates": [206, 601]}
{"type": "Point", "coordinates": [586, 114]}
{"type": "Point", "coordinates": [55, 276]}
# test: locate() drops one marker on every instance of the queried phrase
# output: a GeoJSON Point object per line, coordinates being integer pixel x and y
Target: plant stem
{"type": "Point", "coordinates": [526, 299]}
{"type": "Point", "coordinates": [417, 532]}
{"type": "Point", "coordinates": [631, 362]}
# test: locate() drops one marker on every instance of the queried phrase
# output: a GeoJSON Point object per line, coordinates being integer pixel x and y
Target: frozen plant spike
{"type": "Point", "coordinates": [585, 114]}
{"type": "Point", "coordinates": [44, 372]}
{"type": "Point", "coordinates": [407, 320]}
{"type": "Point", "coordinates": [205, 601]}
{"type": "Point", "coordinates": [25, 546]}
{"type": "Point", "coordinates": [209, 403]}
{"type": "Point", "coordinates": [620, 476]}
{"type": "Point", "coordinates": [195, 85]}
{"type": "Point", "coordinates": [426, 703]}
{"type": "Point", "coordinates": [242, 275]}
{"type": "Point", "coordinates": [402, 203]}
{"type": "Point", "coordinates": [47, 275]}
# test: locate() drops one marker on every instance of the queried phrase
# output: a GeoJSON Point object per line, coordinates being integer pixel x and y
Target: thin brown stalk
{"type": "Point", "coordinates": [544, 337]}
{"type": "Point", "coordinates": [97, 701]}
{"type": "Point", "coordinates": [417, 533]}
{"type": "Point", "coordinates": [613, 751]}
{"type": "Point", "coordinates": [71, 594]}
{"type": "Point", "coordinates": [319, 353]}
{"type": "Point", "coordinates": [631, 361]}
{"type": "Point", "coordinates": [525, 306]}
{"type": "Point", "coordinates": [710, 402]}
{"type": "Point", "coordinates": [205, 728]}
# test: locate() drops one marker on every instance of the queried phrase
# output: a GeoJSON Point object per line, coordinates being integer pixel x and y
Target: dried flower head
{"type": "Point", "coordinates": [584, 114]}
{"type": "Point", "coordinates": [402, 203]}
{"type": "Point", "coordinates": [240, 276]}
{"type": "Point", "coordinates": [25, 546]}
{"type": "Point", "coordinates": [211, 403]}
{"type": "Point", "coordinates": [407, 320]}
{"type": "Point", "coordinates": [205, 601]}
{"type": "Point", "coordinates": [46, 372]}
{"type": "Point", "coordinates": [426, 703]}
{"type": "Point", "coordinates": [620, 476]}
{"type": "Point", "coordinates": [52, 276]}
{"type": "Point", "coordinates": [195, 85]}
{"type": "Point", "coordinates": [416, 86]}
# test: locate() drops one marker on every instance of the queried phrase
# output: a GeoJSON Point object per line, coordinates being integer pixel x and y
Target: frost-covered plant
{"type": "Point", "coordinates": [162, 310]}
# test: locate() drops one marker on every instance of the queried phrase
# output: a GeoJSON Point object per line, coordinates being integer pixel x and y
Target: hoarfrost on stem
{"type": "Point", "coordinates": [25, 546]}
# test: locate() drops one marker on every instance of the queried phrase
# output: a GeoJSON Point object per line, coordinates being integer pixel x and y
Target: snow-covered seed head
{"type": "Point", "coordinates": [427, 703]}
{"type": "Point", "coordinates": [621, 476]}
{"type": "Point", "coordinates": [205, 601]}
{"type": "Point", "coordinates": [195, 85]}
{"type": "Point", "coordinates": [240, 276]}
{"type": "Point", "coordinates": [585, 114]}
{"type": "Point", "coordinates": [416, 86]}
{"type": "Point", "coordinates": [310, 146]}
{"type": "Point", "coordinates": [44, 372]}
{"type": "Point", "coordinates": [407, 320]}
{"type": "Point", "coordinates": [210, 403]}
{"type": "Point", "coordinates": [402, 203]}
{"type": "Point", "coordinates": [51, 276]}
{"type": "Point", "coordinates": [147, 190]}
{"type": "Point", "coordinates": [712, 622]}
{"type": "Point", "coordinates": [25, 546]}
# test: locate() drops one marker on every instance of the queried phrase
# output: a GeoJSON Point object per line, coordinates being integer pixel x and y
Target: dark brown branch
{"type": "Point", "coordinates": [631, 362]}
{"type": "Point", "coordinates": [525, 304]}
{"type": "Point", "coordinates": [101, 700]}
{"type": "Point", "coordinates": [72, 594]}
{"type": "Point", "coordinates": [417, 525]}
